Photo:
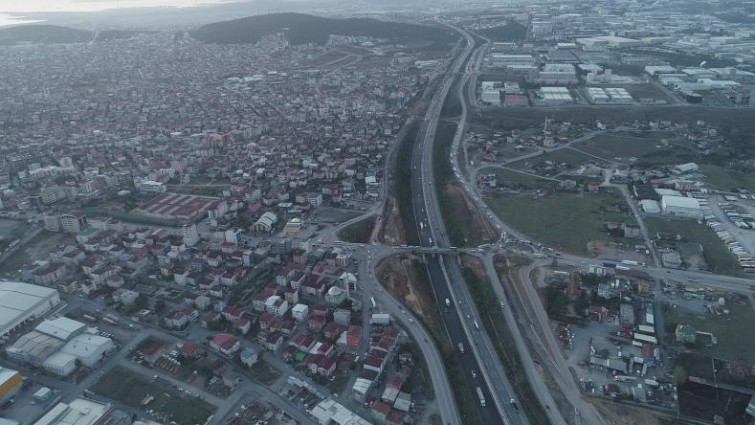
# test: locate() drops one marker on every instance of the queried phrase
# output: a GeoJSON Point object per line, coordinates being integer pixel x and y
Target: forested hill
{"type": "Point", "coordinates": [42, 34]}
{"type": "Point", "coordinates": [302, 29]}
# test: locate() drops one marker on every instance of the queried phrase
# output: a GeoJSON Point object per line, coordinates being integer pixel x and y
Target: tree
{"type": "Point", "coordinates": [159, 306]}
{"type": "Point", "coordinates": [679, 375]}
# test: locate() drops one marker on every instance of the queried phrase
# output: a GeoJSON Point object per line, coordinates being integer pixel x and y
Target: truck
{"type": "Point", "coordinates": [476, 325]}
{"type": "Point", "coordinates": [448, 303]}
{"type": "Point", "coordinates": [421, 225]}
{"type": "Point", "coordinates": [624, 378]}
{"type": "Point", "coordinates": [481, 397]}
{"type": "Point", "coordinates": [430, 241]}
{"type": "Point", "coordinates": [461, 348]}
{"type": "Point", "coordinates": [630, 262]}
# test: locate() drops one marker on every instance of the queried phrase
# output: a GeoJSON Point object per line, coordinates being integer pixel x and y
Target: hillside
{"type": "Point", "coordinates": [512, 31]}
{"type": "Point", "coordinates": [42, 34]}
{"type": "Point", "coordinates": [302, 29]}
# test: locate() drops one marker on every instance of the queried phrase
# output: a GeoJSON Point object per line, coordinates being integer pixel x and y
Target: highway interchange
{"type": "Point", "coordinates": [479, 362]}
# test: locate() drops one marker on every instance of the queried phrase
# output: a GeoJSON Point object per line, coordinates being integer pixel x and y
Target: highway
{"type": "Point", "coordinates": [478, 361]}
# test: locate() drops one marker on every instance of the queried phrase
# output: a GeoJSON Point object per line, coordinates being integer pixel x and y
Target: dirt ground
{"type": "Point", "coordinates": [392, 232]}
{"type": "Point", "coordinates": [462, 206]}
{"type": "Point", "coordinates": [475, 265]}
{"type": "Point", "coordinates": [605, 249]}
{"type": "Point", "coordinates": [398, 276]}
{"type": "Point", "coordinates": [621, 414]}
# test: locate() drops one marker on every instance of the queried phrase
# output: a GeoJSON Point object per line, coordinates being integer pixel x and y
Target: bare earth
{"type": "Point", "coordinates": [393, 230]}
{"type": "Point", "coordinates": [399, 278]}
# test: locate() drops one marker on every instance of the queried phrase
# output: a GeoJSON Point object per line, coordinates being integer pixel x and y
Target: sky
{"type": "Point", "coordinates": [18, 7]}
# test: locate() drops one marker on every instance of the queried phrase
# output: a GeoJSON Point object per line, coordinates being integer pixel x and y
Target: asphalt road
{"type": "Point", "coordinates": [478, 360]}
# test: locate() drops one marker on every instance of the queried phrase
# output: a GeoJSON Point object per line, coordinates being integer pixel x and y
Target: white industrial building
{"type": "Point", "coordinates": [610, 41]}
{"type": "Point", "coordinates": [554, 96]}
{"type": "Point", "coordinates": [608, 95]}
{"type": "Point", "coordinates": [265, 223]}
{"type": "Point", "coordinates": [491, 96]}
{"type": "Point", "coordinates": [503, 60]}
{"type": "Point", "coordinates": [21, 302]}
{"type": "Point", "coordinates": [650, 206]}
{"type": "Point", "coordinates": [62, 328]}
{"type": "Point", "coordinates": [79, 411]}
{"type": "Point", "coordinates": [87, 348]}
{"type": "Point", "coordinates": [329, 412]}
{"type": "Point", "coordinates": [681, 206]}
{"type": "Point", "coordinates": [559, 74]}
{"type": "Point", "coordinates": [33, 348]}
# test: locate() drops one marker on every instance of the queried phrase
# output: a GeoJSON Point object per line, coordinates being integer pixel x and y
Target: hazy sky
{"type": "Point", "coordinates": [21, 6]}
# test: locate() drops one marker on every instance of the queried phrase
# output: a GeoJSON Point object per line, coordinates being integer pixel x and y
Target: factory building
{"type": "Point", "coordinates": [86, 348]}
{"type": "Point", "coordinates": [599, 95]}
{"type": "Point", "coordinates": [681, 206]}
{"type": "Point", "coordinates": [10, 383]}
{"type": "Point", "coordinates": [558, 74]}
{"type": "Point", "coordinates": [80, 411]}
{"type": "Point", "coordinates": [502, 60]}
{"type": "Point", "coordinates": [491, 96]}
{"type": "Point", "coordinates": [554, 96]}
{"type": "Point", "coordinates": [21, 302]}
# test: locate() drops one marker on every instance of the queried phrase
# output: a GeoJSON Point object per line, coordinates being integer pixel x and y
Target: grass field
{"type": "Point", "coordinates": [358, 232]}
{"type": "Point", "coordinates": [729, 331]}
{"type": "Point", "coordinates": [562, 221]}
{"type": "Point", "coordinates": [129, 388]}
{"type": "Point", "coordinates": [714, 251]}
{"type": "Point", "coordinates": [725, 179]}
{"type": "Point", "coordinates": [512, 178]}
{"type": "Point", "coordinates": [613, 146]}
{"type": "Point", "coordinates": [569, 156]}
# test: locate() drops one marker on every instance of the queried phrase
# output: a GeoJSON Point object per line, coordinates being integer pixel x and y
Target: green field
{"type": "Point", "coordinates": [613, 146]}
{"type": "Point", "coordinates": [130, 389]}
{"type": "Point", "coordinates": [571, 157]}
{"type": "Point", "coordinates": [714, 250]}
{"type": "Point", "coordinates": [511, 178]}
{"type": "Point", "coordinates": [358, 232]}
{"type": "Point", "coordinates": [562, 221]}
{"type": "Point", "coordinates": [726, 179]}
{"type": "Point", "coordinates": [728, 330]}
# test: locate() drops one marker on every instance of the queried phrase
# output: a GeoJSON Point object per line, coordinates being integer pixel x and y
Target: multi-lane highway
{"type": "Point", "coordinates": [474, 351]}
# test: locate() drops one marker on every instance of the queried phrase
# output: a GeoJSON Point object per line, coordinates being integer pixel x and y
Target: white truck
{"type": "Point", "coordinates": [481, 397]}
{"type": "Point", "coordinates": [448, 303]}
{"type": "Point", "coordinates": [461, 348]}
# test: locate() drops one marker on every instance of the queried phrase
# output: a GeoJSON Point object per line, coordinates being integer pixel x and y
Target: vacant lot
{"type": "Point", "coordinates": [563, 221]}
{"type": "Point", "coordinates": [620, 146]}
{"type": "Point", "coordinates": [38, 248]}
{"type": "Point", "coordinates": [646, 91]}
{"type": "Point", "coordinates": [714, 250]}
{"type": "Point", "coordinates": [727, 179]}
{"type": "Point", "coordinates": [727, 329]}
{"type": "Point", "coordinates": [131, 389]}
{"type": "Point", "coordinates": [510, 178]}
{"type": "Point", "coordinates": [570, 157]}
{"type": "Point", "coordinates": [358, 232]}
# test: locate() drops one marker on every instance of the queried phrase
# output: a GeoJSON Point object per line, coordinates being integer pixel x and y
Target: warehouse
{"type": "Point", "coordinates": [86, 348]}
{"type": "Point", "coordinates": [33, 348]}
{"type": "Point", "coordinates": [681, 206]}
{"type": "Point", "coordinates": [10, 383]}
{"type": "Point", "coordinates": [21, 302]}
{"type": "Point", "coordinates": [650, 206]}
{"type": "Point", "coordinates": [553, 96]}
{"type": "Point", "coordinates": [80, 411]}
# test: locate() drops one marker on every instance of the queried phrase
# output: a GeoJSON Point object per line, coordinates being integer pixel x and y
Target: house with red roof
{"type": "Point", "coordinates": [226, 344]}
